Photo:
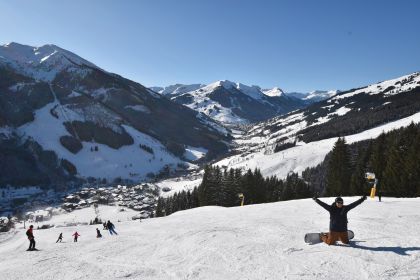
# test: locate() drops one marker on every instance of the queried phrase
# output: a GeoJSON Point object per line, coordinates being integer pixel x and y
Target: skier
{"type": "Point", "coordinates": [31, 238]}
{"type": "Point", "coordinates": [76, 235]}
{"type": "Point", "coordinates": [60, 238]}
{"type": "Point", "coordinates": [338, 219]}
{"type": "Point", "coordinates": [105, 227]}
{"type": "Point", "coordinates": [98, 233]}
{"type": "Point", "coordinates": [111, 228]}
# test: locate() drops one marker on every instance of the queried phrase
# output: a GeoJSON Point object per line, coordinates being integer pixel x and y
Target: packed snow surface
{"type": "Point", "coordinates": [253, 242]}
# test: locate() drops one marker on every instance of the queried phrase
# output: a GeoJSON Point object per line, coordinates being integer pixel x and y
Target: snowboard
{"type": "Point", "coordinates": [313, 238]}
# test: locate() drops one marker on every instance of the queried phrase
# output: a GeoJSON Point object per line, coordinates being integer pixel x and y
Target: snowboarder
{"type": "Point", "coordinates": [111, 228]}
{"type": "Point", "coordinates": [76, 235]}
{"type": "Point", "coordinates": [98, 233]}
{"type": "Point", "coordinates": [60, 238]}
{"type": "Point", "coordinates": [31, 238]}
{"type": "Point", "coordinates": [338, 219]}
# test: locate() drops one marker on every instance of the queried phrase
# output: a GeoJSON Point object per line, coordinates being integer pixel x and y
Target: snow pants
{"type": "Point", "coordinates": [32, 244]}
{"type": "Point", "coordinates": [112, 231]}
{"type": "Point", "coordinates": [333, 236]}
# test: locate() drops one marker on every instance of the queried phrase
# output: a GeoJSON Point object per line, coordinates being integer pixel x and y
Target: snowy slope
{"type": "Point", "coordinates": [303, 155]}
{"type": "Point", "coordinates": [390, 87]}
{"type": "Point", "coordinates": [252, 242]}
{"type": "Point", "coordinates": [318, 95]}
{"type": "Point", "coordinates": [126, 162]}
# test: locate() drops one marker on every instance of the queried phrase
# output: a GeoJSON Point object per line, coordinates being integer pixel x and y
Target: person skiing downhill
{"type": "Point", "coordinates": [111, 228]}
{"type": "Point", "coordinates": [76, 235]}
{"type": "Point", "coordinates": [338, 219]}
{"type": "Point", "coordinates": [31, 238]}
{"type": "Point", "coordinates": [60, 238]}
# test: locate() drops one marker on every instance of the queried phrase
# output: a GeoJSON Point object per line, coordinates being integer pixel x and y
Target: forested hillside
{"type": "Point", "coordinates": [394, 157]}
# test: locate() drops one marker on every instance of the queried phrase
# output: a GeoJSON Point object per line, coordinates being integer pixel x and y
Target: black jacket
{"type": "Point", "coordinates": [338, 216]}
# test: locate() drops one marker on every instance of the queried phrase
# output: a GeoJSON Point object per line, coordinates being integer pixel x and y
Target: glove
{"type": "Point", "coordinates": [315, 198]}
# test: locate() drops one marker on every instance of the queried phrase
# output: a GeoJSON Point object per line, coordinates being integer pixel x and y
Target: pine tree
{"type": "Point", "coordinates": [413, 165]}
{"type": "Point", "coordinates": [258, 187]}
{"type": "Point", "coordinates": [288, 192]}
{"type": "Point", "coordinates": [225, 185]}
{"type": "Point", "coordinates": [339, 170]}
{"type": "Point", "coordinates": [159, 207]}
{"type": "Point", "coordinates": [377, 160]}
{"type": "Point", "coordinates": [391, 179]}
{"type": "Point", "coordinates": [247, 182]}
{"type": "Point", "coordinates": [358, 182]}
{"type": "Point", "coordinates": [195, 198]}
{"type": "Point", "coordinates": [203, 189]}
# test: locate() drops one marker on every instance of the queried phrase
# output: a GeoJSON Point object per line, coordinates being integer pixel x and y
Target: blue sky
{"type": "Point", "coordinates": [296, 45]}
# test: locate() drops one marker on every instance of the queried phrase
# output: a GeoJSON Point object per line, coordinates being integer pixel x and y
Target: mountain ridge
{"type": "Point", "coordinates": [86, 112]}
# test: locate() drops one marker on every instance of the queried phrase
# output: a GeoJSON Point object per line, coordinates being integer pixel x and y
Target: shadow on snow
{"type": "Point", "coordinates": [397, 250]}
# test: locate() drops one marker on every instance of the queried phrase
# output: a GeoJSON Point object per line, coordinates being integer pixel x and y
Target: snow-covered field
{"type": "Point", "coordinates": [179, 184]}
{"type": "Point", "coordinates": [252, 242]}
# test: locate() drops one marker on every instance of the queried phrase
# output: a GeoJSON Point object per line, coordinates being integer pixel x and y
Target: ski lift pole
{"type": "Point", "coordinates": [242, 198]}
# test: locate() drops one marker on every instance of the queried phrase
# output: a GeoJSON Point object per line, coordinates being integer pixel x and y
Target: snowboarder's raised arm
{"type": "Point", "coordinates": [354, 204]}
{"type": "Point", "coordinates": [322, 204]}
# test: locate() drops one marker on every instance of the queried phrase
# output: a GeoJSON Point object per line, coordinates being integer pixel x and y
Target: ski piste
{"type": "Point", "coordinates": [315, 237]}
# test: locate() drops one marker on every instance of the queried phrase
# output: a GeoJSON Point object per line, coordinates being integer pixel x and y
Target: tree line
{"type": "Point", "coordinates": [394, 157]}
{"type": "Point", "coordinates": [222, 187]}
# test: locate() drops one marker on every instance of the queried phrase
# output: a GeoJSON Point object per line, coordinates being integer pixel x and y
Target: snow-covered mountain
{"type": "Point", "coordinates": [61, 116]}
{"type": "Point", "coordinates": [273, 92]}
{"type": "Point", "coordinates": [302, 138]}
{"type": "Point", "coordinates": [177, 89]}
{"type": "Point", "coordinates": [262, 241]}
{"type": "Point", "coordinates": [232, 103]}
{"type": "Point", "coordinates": [41, 63]}
{"type": "Point", "coordinates": [313, 96]}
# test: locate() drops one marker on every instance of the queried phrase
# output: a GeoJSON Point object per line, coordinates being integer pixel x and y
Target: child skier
{"type": "Point", "coordinates": [76, 235]}
{"type": "Point", "coordinates": [338, 219]}
{"type": "Point", "coordinates": [98, 233]}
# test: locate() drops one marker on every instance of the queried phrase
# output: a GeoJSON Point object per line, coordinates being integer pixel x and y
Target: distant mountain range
{"type": "Point", "coordinates": [234, 103]}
